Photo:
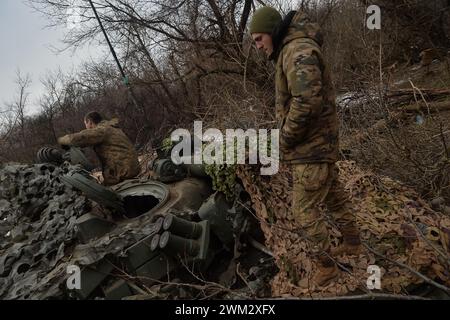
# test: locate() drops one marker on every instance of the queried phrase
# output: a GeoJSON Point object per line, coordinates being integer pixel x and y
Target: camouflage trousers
{"type": "Point", "coordinates": [316, 184]}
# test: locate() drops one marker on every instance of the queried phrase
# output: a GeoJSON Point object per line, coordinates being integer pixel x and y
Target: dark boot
{"type": "Point", "coordinates": [351, 244]}
{"type": "Point", "coordinates": [326, 271]}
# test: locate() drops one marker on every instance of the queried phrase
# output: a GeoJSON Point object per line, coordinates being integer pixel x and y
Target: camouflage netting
{"type": "Point", "coordinates": [37, 219]}
{"type": "Point", "coordinates": [394, 221]}
{"type": "Point", "coordinates": [38, 232]}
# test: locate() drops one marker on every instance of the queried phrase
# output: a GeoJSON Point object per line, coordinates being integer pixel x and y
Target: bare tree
{"type": "Point", "coordinates": [18, 106]}
{"type": "Point", "coordinates": [52, 101]}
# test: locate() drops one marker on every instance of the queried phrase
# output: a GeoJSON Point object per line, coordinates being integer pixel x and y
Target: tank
{"type": "Point", "coordinates": [148, 228]}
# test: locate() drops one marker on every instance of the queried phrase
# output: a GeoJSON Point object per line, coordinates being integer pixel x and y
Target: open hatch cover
{"type": "Point", "coordinates": [94, 191]}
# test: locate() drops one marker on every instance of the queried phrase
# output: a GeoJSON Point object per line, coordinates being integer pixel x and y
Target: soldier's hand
{"type": "Point", "coordinates": [64, 142]}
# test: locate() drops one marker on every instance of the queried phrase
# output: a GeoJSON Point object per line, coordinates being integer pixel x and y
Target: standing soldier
{"type": "Point", "coordinates": [116, 153]}
{"type": "Point", "coordinates": [307, 119]}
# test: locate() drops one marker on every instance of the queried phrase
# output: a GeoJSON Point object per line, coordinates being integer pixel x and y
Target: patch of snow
{"type": "Point", "coordinates": [354, 99]}
{"type": "Point", "coordinates": [397, 83]}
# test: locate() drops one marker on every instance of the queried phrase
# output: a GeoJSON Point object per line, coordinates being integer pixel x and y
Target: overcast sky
{"type": "Point", "coordinates": [27, 44]}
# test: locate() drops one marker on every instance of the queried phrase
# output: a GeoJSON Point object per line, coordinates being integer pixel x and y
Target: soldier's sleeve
{"type": "Point", "coordinates": [304, 79]}
{"type": "Point", "coordinates": [85, 138]}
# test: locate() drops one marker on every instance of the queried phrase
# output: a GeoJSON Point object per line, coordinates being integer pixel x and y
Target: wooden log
{"type": "Point", "coordinates": [430, 107]}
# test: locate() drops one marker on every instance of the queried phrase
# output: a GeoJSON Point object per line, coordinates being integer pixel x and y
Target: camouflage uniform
{"type": "Point", "coordinates": [307, 119]}
{"type": "Point", "coordinates": [116, 153]}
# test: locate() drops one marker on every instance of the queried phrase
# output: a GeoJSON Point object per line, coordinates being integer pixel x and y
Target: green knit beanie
{"type": "Point", "coordinates": [264, 20]}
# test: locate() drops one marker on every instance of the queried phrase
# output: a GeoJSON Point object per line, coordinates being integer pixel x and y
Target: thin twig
{"type": "Point", "coordinates": [243, 279]}
{"type": "Point", "coordinates": [420, 275]}
{"type": "Point", "coordinates": [368, 296]}
{"type": "Point", "coordinates": [255, 244]}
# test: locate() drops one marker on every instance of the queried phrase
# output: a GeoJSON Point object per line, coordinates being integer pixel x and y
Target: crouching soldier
{"type": "Point", "coordinates": [115, 151]}
{"type": "Point", "coordinates": [307, 119]}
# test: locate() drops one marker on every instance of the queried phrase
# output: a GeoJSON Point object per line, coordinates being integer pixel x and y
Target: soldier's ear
{"type": "Point", "coordinates": [88, 123]}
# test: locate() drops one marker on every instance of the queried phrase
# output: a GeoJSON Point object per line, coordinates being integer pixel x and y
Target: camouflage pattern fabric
{"type": "Point", "coordinates": [305, 100]}
{"type": "Point", "coordinates": [316, 184]}
{"type": "Point", "coordinates": [306, 113]}
{"type": "Point", "coordinates": [116, 153]}
{"type": "Point", "coordinates": [394, 222]}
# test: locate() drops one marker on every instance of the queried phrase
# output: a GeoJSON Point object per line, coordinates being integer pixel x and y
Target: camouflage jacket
{"type": "Point", "coordinates": [305, 101]}
{"type": "Point", "coordinates": [115, 151]}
